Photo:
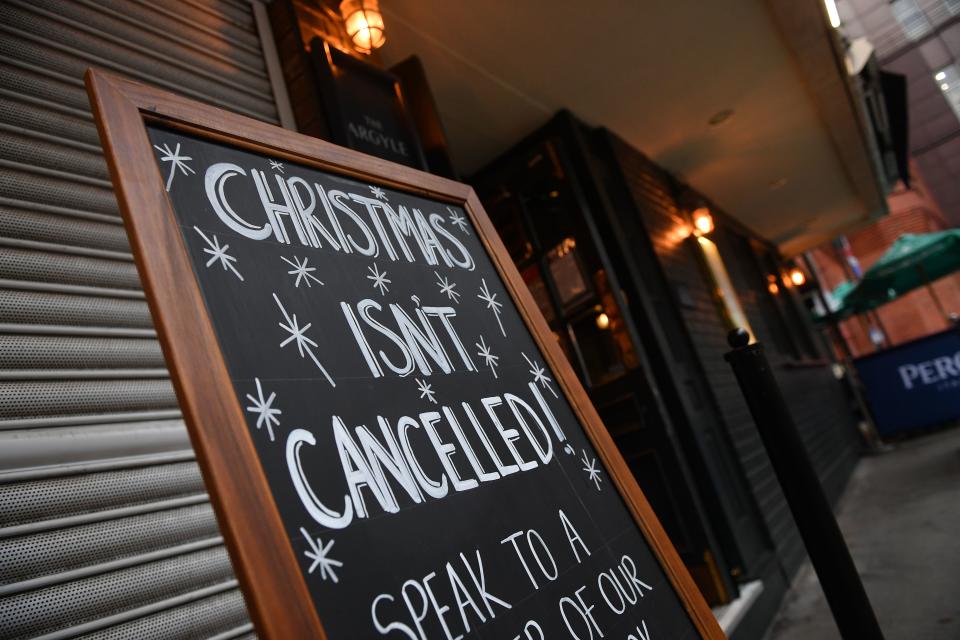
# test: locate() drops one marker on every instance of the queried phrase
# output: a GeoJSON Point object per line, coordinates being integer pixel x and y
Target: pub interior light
{"type": "Point", "coordinates": [603, 321]}
{"type": "Point", "coordinates": [364, 24]}
{"type": "Point", "coordinates": [702, 221]}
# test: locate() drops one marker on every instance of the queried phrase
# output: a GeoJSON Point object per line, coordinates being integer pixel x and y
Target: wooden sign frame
{"type": "Point", "coordinates": [268, 572]}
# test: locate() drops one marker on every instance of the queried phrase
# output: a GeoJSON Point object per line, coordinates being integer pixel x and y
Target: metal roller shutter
{"type": "Point", "coordinates": [105, 528]}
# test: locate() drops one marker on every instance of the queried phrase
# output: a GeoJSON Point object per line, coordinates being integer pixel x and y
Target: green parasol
{"type": "Point", "coordinates": [914, 260]}
{"type": "Point", "coordinates": [835, 308]}
{"type": "Point", "coordinates": [842, 291]}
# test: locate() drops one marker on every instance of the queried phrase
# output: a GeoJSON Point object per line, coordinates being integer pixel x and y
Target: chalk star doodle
{"type": "Point", "coordinates": [320, 554]}
{"type": "Point", "coordinates": [426, 390]}
{"type": "Point", "coordinates": [266, 412]}
{"type": "Point", "coordinates": [378, 193]}
{"type": "Point", "coordinates": [590, 466]}
{"type": "Point", "coordinates": [176, 161]}
{"type": "Point", "coordinates": [491, 300]}
{"type": "Point", "coordinates": [539, 374]}
{"type": "Point", "coordinates": [218, 253]}
{"type": "Point", "coordinates": [458, 220]}
{"type": "Point", "coordinates": [380, 279]}
{"type": "Point", "coordinates": [304, 344]}
{"type": "Point", "coordinates": [447, 287]}
{"type": "Point", "coordinates": [488, 358]}
{"type": "Point", "coordinates": [302, 271]}
{"type": "Point", "coordinates": [276, 166]}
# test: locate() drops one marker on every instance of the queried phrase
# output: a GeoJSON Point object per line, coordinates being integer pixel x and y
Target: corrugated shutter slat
{"type": "Point", "coordinates": [105, 527]}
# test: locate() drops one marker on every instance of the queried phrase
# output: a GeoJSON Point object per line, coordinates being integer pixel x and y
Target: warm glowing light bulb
{"type": "Point", "coordinates": [797, 277]}
{"type": "Point", "coordinates": [603, 321]}
{"type": "Point", "coordinates": [702, 221]}
{"type": "Point", "coordinates": [682, 231]}
{"type": "Point", "coordinates": [364, 23]}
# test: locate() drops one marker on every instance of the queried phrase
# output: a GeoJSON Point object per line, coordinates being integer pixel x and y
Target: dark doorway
{"type": "Point", "coordinates": [535, 202]}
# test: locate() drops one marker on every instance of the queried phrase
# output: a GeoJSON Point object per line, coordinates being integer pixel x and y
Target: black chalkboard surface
{"type": "Point", "coordinates": [392, 442]}
{"type": "Point", "coordinates": [431, 476]}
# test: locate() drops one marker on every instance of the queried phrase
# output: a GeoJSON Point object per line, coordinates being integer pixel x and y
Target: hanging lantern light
{"type": "Point", "coordinates": [364, 24]}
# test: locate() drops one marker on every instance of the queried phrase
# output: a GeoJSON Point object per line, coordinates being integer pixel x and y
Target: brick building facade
{"type": "Point", "coordinates": [911, 316]}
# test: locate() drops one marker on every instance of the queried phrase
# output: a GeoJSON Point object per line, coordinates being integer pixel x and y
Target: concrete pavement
{"type": "Point", "coordinates": [901, 517]}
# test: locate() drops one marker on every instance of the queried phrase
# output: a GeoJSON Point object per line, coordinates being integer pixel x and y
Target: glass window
{"type": "Point", "coordinates": [506, 216]}
{"type": "Point", "coordinates": [538, 289]}
{"type": "Point", "coordinates": [537, 213]}
{"type": "Point", "coordinates": [597, 348]}
{"type": "Point", "coordinates": [788, 316]}
{"type": "Point", "coordinates": [948, 79]}
{"type": "Point", "coordinates": [567, 273]}
{"type": "Point", "coordinates": [913, 21]}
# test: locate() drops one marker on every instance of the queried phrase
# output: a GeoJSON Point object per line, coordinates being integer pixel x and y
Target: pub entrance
{"type": "Point", "coordinates": [536, 200]}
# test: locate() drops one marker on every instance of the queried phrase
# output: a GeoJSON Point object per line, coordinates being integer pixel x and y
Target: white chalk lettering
{"type": "Point", "coordinates": [215, 182]}
{"type": "Point", "coordinates": [572, 536]}
{"type": "Point", "coordinates": [584, 610]}
{"type": "Point", "coordinates": [317, 510]}
{"type": "Point", "coordinates": [293, 202]}
{"type": "Point", "coordinates": [426, 601]}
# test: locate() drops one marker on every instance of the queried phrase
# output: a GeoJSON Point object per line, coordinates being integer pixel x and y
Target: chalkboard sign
{"type": "Point", "coordinates": [391, 438]}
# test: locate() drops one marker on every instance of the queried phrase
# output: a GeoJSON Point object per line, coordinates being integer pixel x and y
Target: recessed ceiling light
{"type": "Point", "coordinates": [940, 76]}
{"type": "Point", "coordinates": [945, 86]}
{"type": "Point", "coordinates": [720, 117]}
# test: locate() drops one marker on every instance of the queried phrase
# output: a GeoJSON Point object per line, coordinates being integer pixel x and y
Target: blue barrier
{"type": "Point", "coordinates": [914, 385]}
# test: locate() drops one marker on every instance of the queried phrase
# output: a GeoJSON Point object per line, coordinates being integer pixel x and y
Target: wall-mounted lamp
{"type": "Point", "coordinates": [797, 277]}
{"type": "Point", "coordinates": [603, 321]}
{"type": "Point", "coordinates": [364, 24]}
{"type": "Point", "coordinates": [702, 221]}
{"type": "Point", "coordinates": [772, 285]}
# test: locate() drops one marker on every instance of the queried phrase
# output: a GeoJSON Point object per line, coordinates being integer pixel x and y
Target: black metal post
{"type": "Point", "coordinates": [811, 510]}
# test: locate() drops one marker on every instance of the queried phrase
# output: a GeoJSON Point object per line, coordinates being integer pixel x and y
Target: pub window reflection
{"type": "Point", "coordinates": [539, 220]}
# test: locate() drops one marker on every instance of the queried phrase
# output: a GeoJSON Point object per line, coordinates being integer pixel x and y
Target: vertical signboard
{"type": "Point", "coordinates": [391, 438]}
{"type": "Point", "coordinates": [364, 106]}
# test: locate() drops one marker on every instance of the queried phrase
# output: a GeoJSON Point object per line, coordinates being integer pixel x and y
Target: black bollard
{"type": "Point", "coordinates": [811, 510]}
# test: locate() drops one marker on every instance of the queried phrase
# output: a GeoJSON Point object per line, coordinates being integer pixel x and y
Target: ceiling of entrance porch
{"type": "Point", "coordinates": [792, 162]}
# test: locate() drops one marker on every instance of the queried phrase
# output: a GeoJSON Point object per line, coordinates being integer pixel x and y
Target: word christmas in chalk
{"type": "Point", "coordinates": [398, 233]}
